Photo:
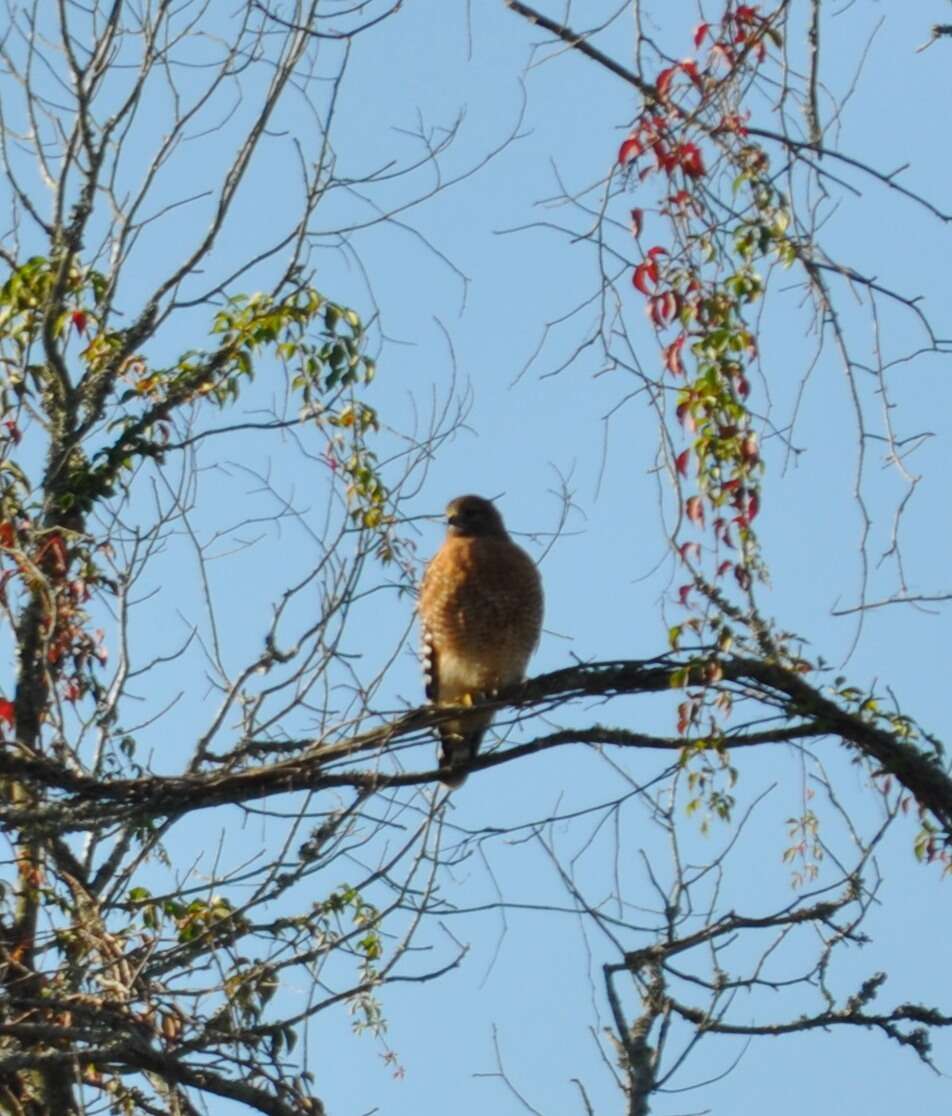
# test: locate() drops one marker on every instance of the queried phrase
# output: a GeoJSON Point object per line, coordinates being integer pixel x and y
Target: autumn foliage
{"type": "Point", "coordinates": [688, 142]}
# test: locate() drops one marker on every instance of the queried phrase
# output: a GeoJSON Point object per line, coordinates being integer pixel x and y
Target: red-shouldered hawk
{"type": "Point", "coordinates": [481, 610]}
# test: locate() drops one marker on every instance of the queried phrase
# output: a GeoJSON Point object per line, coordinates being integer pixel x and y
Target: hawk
{"type": "Point", "coordinates": [481, 613]}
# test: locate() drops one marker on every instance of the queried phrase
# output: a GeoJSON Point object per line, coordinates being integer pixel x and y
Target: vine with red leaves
{"type": "Point", "coordinates": [690, 137]}
{"type": "Point", "coordinates": [690, 134]}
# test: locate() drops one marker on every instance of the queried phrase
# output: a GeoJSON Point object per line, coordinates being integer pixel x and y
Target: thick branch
{"type": "Point", "coordinates": [315, 767]}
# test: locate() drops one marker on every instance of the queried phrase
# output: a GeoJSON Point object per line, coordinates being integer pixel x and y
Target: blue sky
{"type": "Point", "coordinates": [533, 979]}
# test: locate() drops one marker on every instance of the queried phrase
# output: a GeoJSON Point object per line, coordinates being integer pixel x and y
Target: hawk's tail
{"type": "Point", "coordinates": [459, 744]}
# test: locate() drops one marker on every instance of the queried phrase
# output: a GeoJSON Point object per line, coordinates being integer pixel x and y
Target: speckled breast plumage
{"type": "Point", "coordinates": [481, 607]}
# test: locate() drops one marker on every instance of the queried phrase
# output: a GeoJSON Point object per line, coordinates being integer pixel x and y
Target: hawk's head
{"type": "Point", "coordinates": [473, 517]}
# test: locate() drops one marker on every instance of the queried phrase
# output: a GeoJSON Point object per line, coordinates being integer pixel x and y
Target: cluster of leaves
{"type": "Point", "coordinates": [57, 570]}
{"type": "Point", "coordinates": [726, 223]}
{"type": "Point", "coordinates": [690, 134]}
{"type": "Point", "coordinates": [930, 845]}
{"type": "Point", "coordinates": [190, 920]}
{"type": "Point", "coordinates": [40, 557]}
{"type": "Point", "coordinates": [365, 917]}
{"type": "Point", "coordinates": [48, 384]}
{"type": "Point", "coordinates": [806, 848]}
{"type": "Point", "coordinates": [691, 138]}
{"type": "Point", "coordinates": [324, 372]}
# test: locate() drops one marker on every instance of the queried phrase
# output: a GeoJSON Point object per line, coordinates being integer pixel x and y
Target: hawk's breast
{"type": "Point", "coordinates": [481, 607]}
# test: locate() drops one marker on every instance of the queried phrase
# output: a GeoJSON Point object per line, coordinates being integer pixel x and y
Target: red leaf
{"type": "Point", "coordinates": [753, 505]}
{"type": "Point", "coordinates": [664, 80]}
{"type": "Point", "coordinates": [681, 462]}
{"type": "Point", "coordinates": [672, 357]}
{"type": "Point", "coordinates": [694, 510]}
{"type": "Point", "coordinates": [637, 221]}
{"type": "Point", "coordinates": [685, 417]}
{"type": "Point", "coordinates": [723, 568]}
{"type": "Point", "coordinates": [683, 595]}
{"type": "Point", "coordinates": [749, 452]}
{"type": "Point", "coordinates": [58, 550]}
{"type": "Point", "coordinates": [644, 273]}
{"type": "Point", "coordinates": [666, 160]}
{"type": "Point", "coordinates": [662, 309]}
{"type": "Point", "coordinates": [742, 574]}
{"type": "Point", "coordinates": [699, 32]}
{"type": "Point", "coordinates": [7, 534]}
{"type": "Point", "coordinates": [689, 550]}
{"type": "Point", "coordinates": [684, 710]}
{"type": "Point", "coordinates": [79, 319]}
{"type": "Point", "coordinates": [689, 66]}
{"type": "Point", "coordinates": [13, 430]}
{"type": "Point", "coordinates": [629, 150]}
{"type": "Point", "coordinates": [7, 713]}
{"type": "Point", "coordinates": [692, 162]}
{"type": "Point", "coordinates": [746, 13]}
{"type": "Point", "coordinates": [723, 532]}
